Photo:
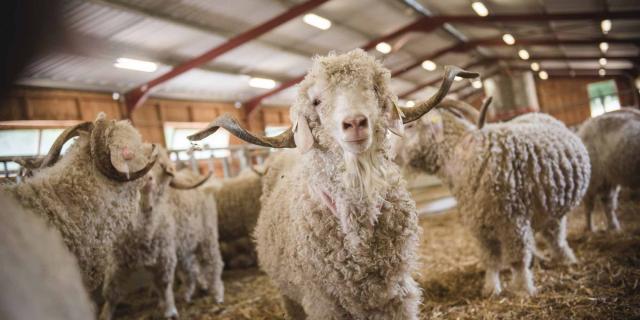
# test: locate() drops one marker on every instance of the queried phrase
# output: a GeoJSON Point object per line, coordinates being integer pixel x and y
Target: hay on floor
{"type": "Point", "coordinates": [604, 285]}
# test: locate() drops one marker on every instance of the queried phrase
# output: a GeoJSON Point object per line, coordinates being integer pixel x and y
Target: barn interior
{"type": "Point", "coordinates": [172, 66]}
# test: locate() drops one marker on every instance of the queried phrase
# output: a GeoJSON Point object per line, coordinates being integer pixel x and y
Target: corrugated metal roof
{"type": "Point", "coordinates": [170, 32]}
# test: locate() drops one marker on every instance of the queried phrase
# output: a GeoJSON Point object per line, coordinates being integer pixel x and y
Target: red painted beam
{"type": "Point", "coordinates": [427, 24]}
{"type": "Point", "coordinates": [136, 97]}
{"type": "Point", "coordinates": [492, 42]}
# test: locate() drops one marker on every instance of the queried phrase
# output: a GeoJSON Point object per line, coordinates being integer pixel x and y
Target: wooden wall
{"type": "Point", "coordinates": [25, 103]}
{"type": "Point", "coordinates": [567, 99]}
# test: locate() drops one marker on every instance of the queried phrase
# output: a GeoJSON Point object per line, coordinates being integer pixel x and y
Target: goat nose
{"type": "Point", "coordinates": [127, 154]}
{"type": "Point", "coordinates": [357, 121]}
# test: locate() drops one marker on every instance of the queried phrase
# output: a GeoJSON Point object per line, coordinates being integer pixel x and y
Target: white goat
{"type": "Point", "coordinates": [39, 278]}
{"type": "Point", "coordinates": [338, 230]}
{"type": "Point", "coordinates": [613, 142]}
{"type": "Point", "coordinates": [508, 178]}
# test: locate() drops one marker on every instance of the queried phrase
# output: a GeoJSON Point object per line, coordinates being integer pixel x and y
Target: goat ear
{"type": "Point", "coordinates": [394, 118]}
{"type": "Point", "coordinates": [302, 134]}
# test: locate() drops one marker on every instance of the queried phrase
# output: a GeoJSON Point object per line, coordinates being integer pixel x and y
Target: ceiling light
{"type": "Point", "coordinates": [115, 96]}
{"type": "Point", "coordinates": [262, 83]}
{"type": "Point", "coordinates": [523, 54]}
{"type": "Point", "coordinates": [410, 104]}
{"type": "Point", "coordinates": [429, 65]}
{"type": "Point", "coordinates": [543, 75]}
{"type": "Point", "coordinates": [604, 47]}
{"type": "Point", "coordinates": [476, 84]}
{"type": "Point", "coordinates": [457, 78]}
{"type": "Point", "coordinates": [602, 61]}
{"type": "Point", "coordinates": [508, 39]}
{"type": "Point", "coordinates": [317, 21]}
{"type": "Point", "coordinates": [383, 47]}
{"type": "Point", "coordinates": [134, 64]}
{"type": "Point", "coordinates": [606, 26]}
{"type": "Point", "coordinates": [480, 8]}
{"type": "Point", "coordinates": [602, 72]}
{"type": "Point", "coordinates": [535, 66]}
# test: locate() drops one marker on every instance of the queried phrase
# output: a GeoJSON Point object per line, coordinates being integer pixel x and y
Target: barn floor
{"type": "Point", "coordinates": [604, 285]}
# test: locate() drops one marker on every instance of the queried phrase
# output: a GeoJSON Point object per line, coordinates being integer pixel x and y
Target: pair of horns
{"type": "Point", "coordinates": [286, 140]}
{"type": "Point", "coordinates": [100, 151]}
{"type": "Point", "coordinates": [182, 184]}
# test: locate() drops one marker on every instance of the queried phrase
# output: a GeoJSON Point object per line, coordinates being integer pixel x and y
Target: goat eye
{"type": "Point", "coordinates": [316, 102]}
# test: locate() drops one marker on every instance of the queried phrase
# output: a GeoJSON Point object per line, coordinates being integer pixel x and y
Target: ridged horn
{"type": "Point", "coordinates": [421, 108]}
{"type": "Point", "coordinates": [226, 121]}
{"type": "Point", "coordinates": [177, 183]}
{"type": "Point", "coordinates": [54, 152]}
{"type": "Point", "coordinates": [483, 111]}
{"type": "Point", "coordinates": [101, 155]}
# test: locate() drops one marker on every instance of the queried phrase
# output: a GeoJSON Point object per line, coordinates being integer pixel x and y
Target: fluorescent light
{"type": "Point", "coordinates": [602, 61]}
{"type": "Point", "coordinates": [476, 84]}
{"type": "Point", "coordinates": [535, 66]}
{"type": "Point", "coordinates": [115, 96]}
{"type": "Point", "coordinates": [134, 64]}
{"type": "Point", "coordinates": [317, 21]}
{"type": "Point", "coordinates": [508, 39]}
{"type": "Point", "coordinates": [480, 8]}
{"type": "Point", "coordinates": [604, 47]}
{"type": "Point", "coordinates": [606, 26]}
{"type": "Point", "coordinates": [457, 78]}
{"type": "Point", "coordinates": [523, 54]}
{"type": "Point", "coordinates": [602, 72]}
{"type": "Point", "coordinates": [543, 75]}
{"type": "Point", "coordinates": [429, 65]}
{"type": "Point", "coordinates": [262, 83]}
{"type": "Point", "coordinates": [383, 47]}
{"type": "Point", "coordinates": [410, 104]}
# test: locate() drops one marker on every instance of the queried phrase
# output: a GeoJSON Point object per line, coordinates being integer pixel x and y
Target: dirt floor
{"type": "Point", "coordinates": [604, 285]}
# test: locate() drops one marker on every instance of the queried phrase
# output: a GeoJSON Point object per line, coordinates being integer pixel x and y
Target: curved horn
{"type": "Point", "coordinates": [102, 156]}
{"type": "Point", "coordinates": [226, 121]}
{"type": "Point", "coordinates": [450, 73]}
{"type": "Point", "coordinates": [178, 184]}
{"type": "Point", "coordinates": [483, 111]}
{"type": "Point", "coordinates": [54, 152]}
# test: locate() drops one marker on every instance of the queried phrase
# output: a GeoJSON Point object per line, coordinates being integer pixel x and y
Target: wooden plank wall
{"type": "Point", "coordinates": [26, 103]}
{"type": "Point", "coordinates": [567, 99]}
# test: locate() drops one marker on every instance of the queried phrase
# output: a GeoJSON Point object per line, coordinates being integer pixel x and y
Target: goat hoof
{"type": "Point", "coordinates": [172, 313]}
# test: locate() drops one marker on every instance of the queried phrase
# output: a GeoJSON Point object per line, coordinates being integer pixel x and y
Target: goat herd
{"type": "Point", "coordinates": [335, 228]}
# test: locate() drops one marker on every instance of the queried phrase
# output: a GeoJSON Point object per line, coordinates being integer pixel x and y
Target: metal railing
{"type": "Point", "coordinates": [223, 162]}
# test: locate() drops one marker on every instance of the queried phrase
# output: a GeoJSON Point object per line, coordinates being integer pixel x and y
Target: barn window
{"type": "Point", "coordinates": [603, 97]}
{"type": "Point", "coordinates": [176, 139]}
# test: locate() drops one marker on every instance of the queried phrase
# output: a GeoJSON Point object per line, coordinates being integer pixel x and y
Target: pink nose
{"type": "Point", "coordinates": [355, 122]}
{"type": "Point", "coordinates": [127, 154]}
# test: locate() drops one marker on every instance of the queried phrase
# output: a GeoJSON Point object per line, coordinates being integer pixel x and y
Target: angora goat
{"type": "Point", "coordinates": [508, 178]}
{"type": "Point", "coordinates": [39, 278]}
{"type": "Point", "coordinates": [238, 204]}
{"type": "Point", "coordinates": [338, 230]}
{"type": "Point", "coordinates": [91, 194]}
{"type": "Point", "coordinates": [613, 142]}
{"type": "Point", "coordinates": [152, 241]}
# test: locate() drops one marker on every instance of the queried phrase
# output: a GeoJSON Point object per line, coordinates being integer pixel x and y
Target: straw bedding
{"type": "Point", "coordinates": [604, 285]}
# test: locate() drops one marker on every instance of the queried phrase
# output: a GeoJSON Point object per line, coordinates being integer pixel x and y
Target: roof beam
{"type": "Point", "coordinates": [428, 24]}
{"type": "Point", "coordinates": [492, 42]}
{"type": "Point", "coordinates": [436, 80]}
{"type": "Point", "coordinates": [137, 96]}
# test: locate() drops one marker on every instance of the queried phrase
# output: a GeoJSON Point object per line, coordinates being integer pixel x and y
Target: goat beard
{"type": "Point", "coordinates": [365, 173]}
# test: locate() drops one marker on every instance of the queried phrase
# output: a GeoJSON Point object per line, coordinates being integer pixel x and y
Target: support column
{"type": "Point", "coordinates": [513, 93]}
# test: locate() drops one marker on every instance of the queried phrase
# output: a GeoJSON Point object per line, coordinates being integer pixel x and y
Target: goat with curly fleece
{"type": "Point", "coordinates": [337, 232]}
{"type": "Point", "coordinates": [613, 142]}
{"type": "Point", "coordinates": [39, 277]}
{"type": "Point", "coordinates": [91, 194]}
{"type": "Point", "coordinates": [238, 204]}
{"type": "Point", "coordinates": [509, 179]}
